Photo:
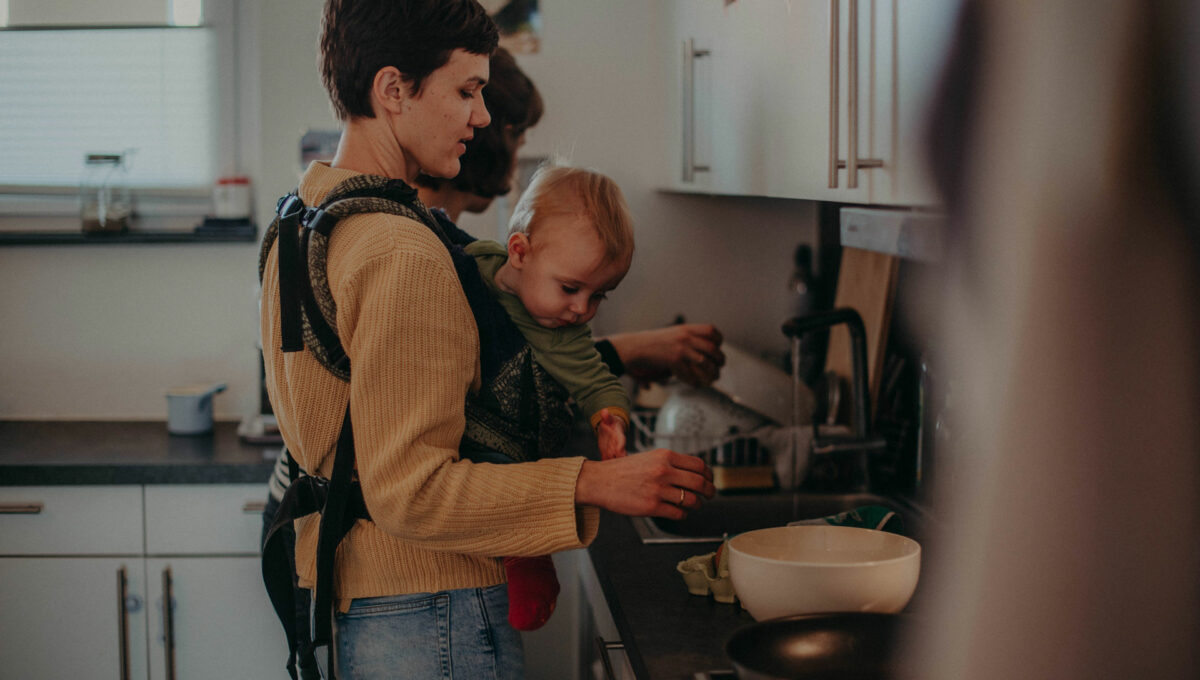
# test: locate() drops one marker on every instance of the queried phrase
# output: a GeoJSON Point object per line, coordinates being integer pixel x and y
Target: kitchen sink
{"type": "Point", "coordinates": [731, 514]}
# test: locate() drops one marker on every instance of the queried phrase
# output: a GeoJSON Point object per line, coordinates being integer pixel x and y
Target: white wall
{"type": "Point", "coordinates": [102, 332]}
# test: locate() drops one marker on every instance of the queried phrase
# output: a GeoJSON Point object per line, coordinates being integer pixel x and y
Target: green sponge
{"type": "Point", "coordinates": [867, 517]}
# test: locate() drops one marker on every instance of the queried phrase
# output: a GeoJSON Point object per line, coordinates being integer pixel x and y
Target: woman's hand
{"type": "Point", "coordinates": [658, 483]}
{"type": "Point", "coordinates": [690, 352]}
{"type": "Point", "coordinates": [610, 435]}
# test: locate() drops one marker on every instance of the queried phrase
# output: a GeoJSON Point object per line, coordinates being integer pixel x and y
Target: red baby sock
{"type": "Point", "coordinates": [532, 591]}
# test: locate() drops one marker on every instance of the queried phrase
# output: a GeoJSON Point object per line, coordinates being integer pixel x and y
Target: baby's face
{"type": "Point", "coordinates": [563, 273]}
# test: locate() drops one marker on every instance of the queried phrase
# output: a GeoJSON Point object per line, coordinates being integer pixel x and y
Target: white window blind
{"type": "Point", "coordinates": [67, 93]}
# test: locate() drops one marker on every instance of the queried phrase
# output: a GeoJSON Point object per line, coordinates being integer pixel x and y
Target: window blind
{"type": "Point", "coordinates": [68, 93]}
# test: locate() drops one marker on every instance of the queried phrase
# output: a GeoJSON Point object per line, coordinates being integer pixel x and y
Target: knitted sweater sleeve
{"type": "Point", "coordinates": [414, 354]}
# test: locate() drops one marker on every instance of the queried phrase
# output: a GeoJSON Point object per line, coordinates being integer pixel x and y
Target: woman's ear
{"type": "Point", "coordinates": [518, 249]}
{"type": "Point", "coordinates": [389, 90]}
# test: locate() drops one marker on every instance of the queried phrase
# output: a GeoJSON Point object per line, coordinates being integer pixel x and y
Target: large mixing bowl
{"type": "Point", "coordinates": [784, 571]}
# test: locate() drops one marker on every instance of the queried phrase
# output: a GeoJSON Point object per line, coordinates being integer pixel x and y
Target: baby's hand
{"type": "Point", "coordinates": [610, 436]}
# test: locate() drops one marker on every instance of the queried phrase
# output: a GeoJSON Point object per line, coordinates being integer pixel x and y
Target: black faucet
{"type": "Point", "coordinates": [863, 441]}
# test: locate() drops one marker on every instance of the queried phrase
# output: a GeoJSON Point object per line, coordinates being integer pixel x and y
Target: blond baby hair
{"type": "Point", "coordinates": [564, 190]}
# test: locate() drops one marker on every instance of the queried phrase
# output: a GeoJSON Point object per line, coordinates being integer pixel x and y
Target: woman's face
{"type": "Point", "coordinates": [435, 123]}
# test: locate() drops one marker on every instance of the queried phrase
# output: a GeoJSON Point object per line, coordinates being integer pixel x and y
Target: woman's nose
{"type": "Point", "coordinates": [480, 116]}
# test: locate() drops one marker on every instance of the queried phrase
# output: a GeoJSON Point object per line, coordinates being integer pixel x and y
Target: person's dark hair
{"type": "Point", "coordinates": [360, 37]}
{"type": "Point", "coordinates": [515, 106]}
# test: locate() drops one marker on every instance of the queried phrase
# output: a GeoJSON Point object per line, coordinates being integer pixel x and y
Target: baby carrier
{"type": "Point", "coordinates": [308, 320]}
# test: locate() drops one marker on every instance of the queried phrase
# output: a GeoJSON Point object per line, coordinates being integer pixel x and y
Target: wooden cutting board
{"type": "Point", "coordinates": [867, 284]}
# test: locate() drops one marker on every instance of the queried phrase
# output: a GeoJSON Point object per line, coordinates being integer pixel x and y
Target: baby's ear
{"type": "Point", "coordinates": [518, 249]}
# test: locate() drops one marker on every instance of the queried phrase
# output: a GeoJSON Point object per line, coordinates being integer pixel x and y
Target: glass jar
{"type": "Point", "coordinates": [105, 205]}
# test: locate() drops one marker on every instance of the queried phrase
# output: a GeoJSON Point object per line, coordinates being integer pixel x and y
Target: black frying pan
{"type": "Point", "coordinates": [850, 646]}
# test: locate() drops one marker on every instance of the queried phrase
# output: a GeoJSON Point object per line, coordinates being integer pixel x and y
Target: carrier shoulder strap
{"type": "Point", "coordinates": [307, 310]}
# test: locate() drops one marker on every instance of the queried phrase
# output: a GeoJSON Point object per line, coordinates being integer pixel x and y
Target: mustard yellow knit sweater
{"type": "Point", "coordinates": [440, 522]}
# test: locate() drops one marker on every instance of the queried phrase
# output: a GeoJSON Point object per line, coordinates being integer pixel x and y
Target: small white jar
{"type": "Point", "coordinates": [231, 198]}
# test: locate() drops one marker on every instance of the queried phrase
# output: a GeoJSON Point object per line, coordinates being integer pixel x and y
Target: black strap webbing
{"type": "Point", "coordinates": [340, 502]}
{"type": "Point", "coordinates": [334, 526]}
{"type": "Point", "coordinates": [290, 268]}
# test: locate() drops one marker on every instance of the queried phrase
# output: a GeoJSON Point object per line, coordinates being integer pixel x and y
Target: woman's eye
{"type": "Point", "coordinates": [467, 94]}
{"type": "Point", "coordinates": [570, 290]}
{"type": "Point", "coordinates": [600, 296]}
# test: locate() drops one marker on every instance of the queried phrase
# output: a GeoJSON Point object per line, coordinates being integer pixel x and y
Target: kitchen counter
{"type": "Point", "coordinates": [668, 633]}
{"type": "Point", "coordinates": [110, 452]}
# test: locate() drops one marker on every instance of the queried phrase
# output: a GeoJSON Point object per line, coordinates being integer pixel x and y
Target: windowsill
{"type": "Point", "coordinates": [78, 238]}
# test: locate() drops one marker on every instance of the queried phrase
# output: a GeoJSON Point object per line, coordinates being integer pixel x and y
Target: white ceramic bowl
{"type": "Point", "coordinates": [783, 571]}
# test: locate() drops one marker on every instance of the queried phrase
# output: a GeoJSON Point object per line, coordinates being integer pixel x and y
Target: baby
{"type": "Point", "coordinates": [570, 242]}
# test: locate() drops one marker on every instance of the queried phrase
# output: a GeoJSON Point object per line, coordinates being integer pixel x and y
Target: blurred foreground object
{"type": "Point", "coordinates": [1067, 148]}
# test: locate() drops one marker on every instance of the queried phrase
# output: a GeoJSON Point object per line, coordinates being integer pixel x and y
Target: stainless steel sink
{"type": "Point", "coordinates": [731, 514]}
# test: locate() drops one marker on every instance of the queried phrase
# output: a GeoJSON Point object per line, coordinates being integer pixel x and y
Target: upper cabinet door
{"type": "Point", "coordinates": [900, 63]}
{"type": "Point", "coordinates": [774, 95]}
{"type": "Point", "coordinates": [694, 51]}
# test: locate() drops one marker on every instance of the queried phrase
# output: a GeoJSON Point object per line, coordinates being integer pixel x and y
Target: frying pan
{"type": "Point", "coordinates": [845, 646]}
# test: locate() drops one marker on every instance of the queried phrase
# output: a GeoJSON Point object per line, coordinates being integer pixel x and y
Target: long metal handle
{"type": "Point", "coordinates": [604, 645]}
{"type": "Point", "coordinates": [33, 508]}
{"type": "Point", "coordinates": [834, 11]}
{"type": "Point", "coordinates": [852, 98]}
{"type": "Point", "coordinates": [169, 622]}
{"type": "Point", "coordinates": [123, 620]}
{"type": "Point", "coordinates": [853, 162]}
{"type": "Point", "coordinates": [690, 54]}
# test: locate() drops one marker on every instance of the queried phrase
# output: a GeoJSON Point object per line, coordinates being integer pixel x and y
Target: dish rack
{"type": "Point", "coordinates": [739, 460]}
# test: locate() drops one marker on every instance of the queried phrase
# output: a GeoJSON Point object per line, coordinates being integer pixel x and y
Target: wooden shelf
{"type": "Point", "coordinates": [74, 238]}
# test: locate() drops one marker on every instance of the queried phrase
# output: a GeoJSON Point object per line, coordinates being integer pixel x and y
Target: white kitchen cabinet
{"type": "Point", "coordinates": [65, 551]}
{"type": "Point", "coordinates": [692, 66]}
{"type": "Point", "coordinates": [72, 583]}
{"type": "Point", "coordinates": [600, 630]}
{"type": "Point", "coordinates": [220, 624]}
{"type": "Point", "coordinates": [202, 543]}
{"type": "Point", "coordinates": [775, 89]}
{"type": "Point", "coordinates": [64, 617]}
{"type": "Point", "coordinates": [566, 647]}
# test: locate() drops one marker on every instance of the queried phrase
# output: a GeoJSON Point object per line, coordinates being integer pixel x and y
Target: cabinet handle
{"type": "Point", "coordinates": [34, 508]}
{"type": "Point", "coordinates": [168, 587]}
{"type": "Point", "coordinates": [853, 163]}
{"type": "Point", "coordinates": [254, 507]}
{"type": "Point", "coordinates": [604, 645]}
{"type": "Point", "coordinates": [690, 54]}
{"type": "Point", "coordinates": [834, 16]}
{"type": "Point", "coordinates": [123, 620]}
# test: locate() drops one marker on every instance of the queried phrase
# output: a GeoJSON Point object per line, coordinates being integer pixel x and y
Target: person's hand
{"type": "Point", "coordinates": [690, 352]}
{"type": "Point", "coordinates": [610, 435]}
{"type": "Point", "coordinates": [658, 483]}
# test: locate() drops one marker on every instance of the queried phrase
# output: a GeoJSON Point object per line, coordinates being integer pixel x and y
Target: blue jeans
{"type": "Point", "coordinates": [460, 634]}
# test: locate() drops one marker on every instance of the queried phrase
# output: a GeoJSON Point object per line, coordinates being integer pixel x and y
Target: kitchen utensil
{"type": "Point", "coordinates": [756, 384]}
{"type": "Point", "coordinates": [853, 645]}
{"type": "Point", "coordinates": [189, 408]}
{"type": "Point", "coordinates": [695, 419]}
{"type": "Point", "coordinates": [866, 284]}
{"type": "Point", "coordinates": [783, 571]}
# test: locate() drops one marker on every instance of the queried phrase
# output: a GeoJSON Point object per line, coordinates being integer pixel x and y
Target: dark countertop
{"type": "Point", "coordinates": [109, 452]}
{"type": "Point", "coordinates": [668, 633]}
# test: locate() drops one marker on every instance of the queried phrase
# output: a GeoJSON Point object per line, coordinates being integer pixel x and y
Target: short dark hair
{"type": "Point", "coordinates": [515, 106]}
{"type": "Point", "coordinates": [360, 37]}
